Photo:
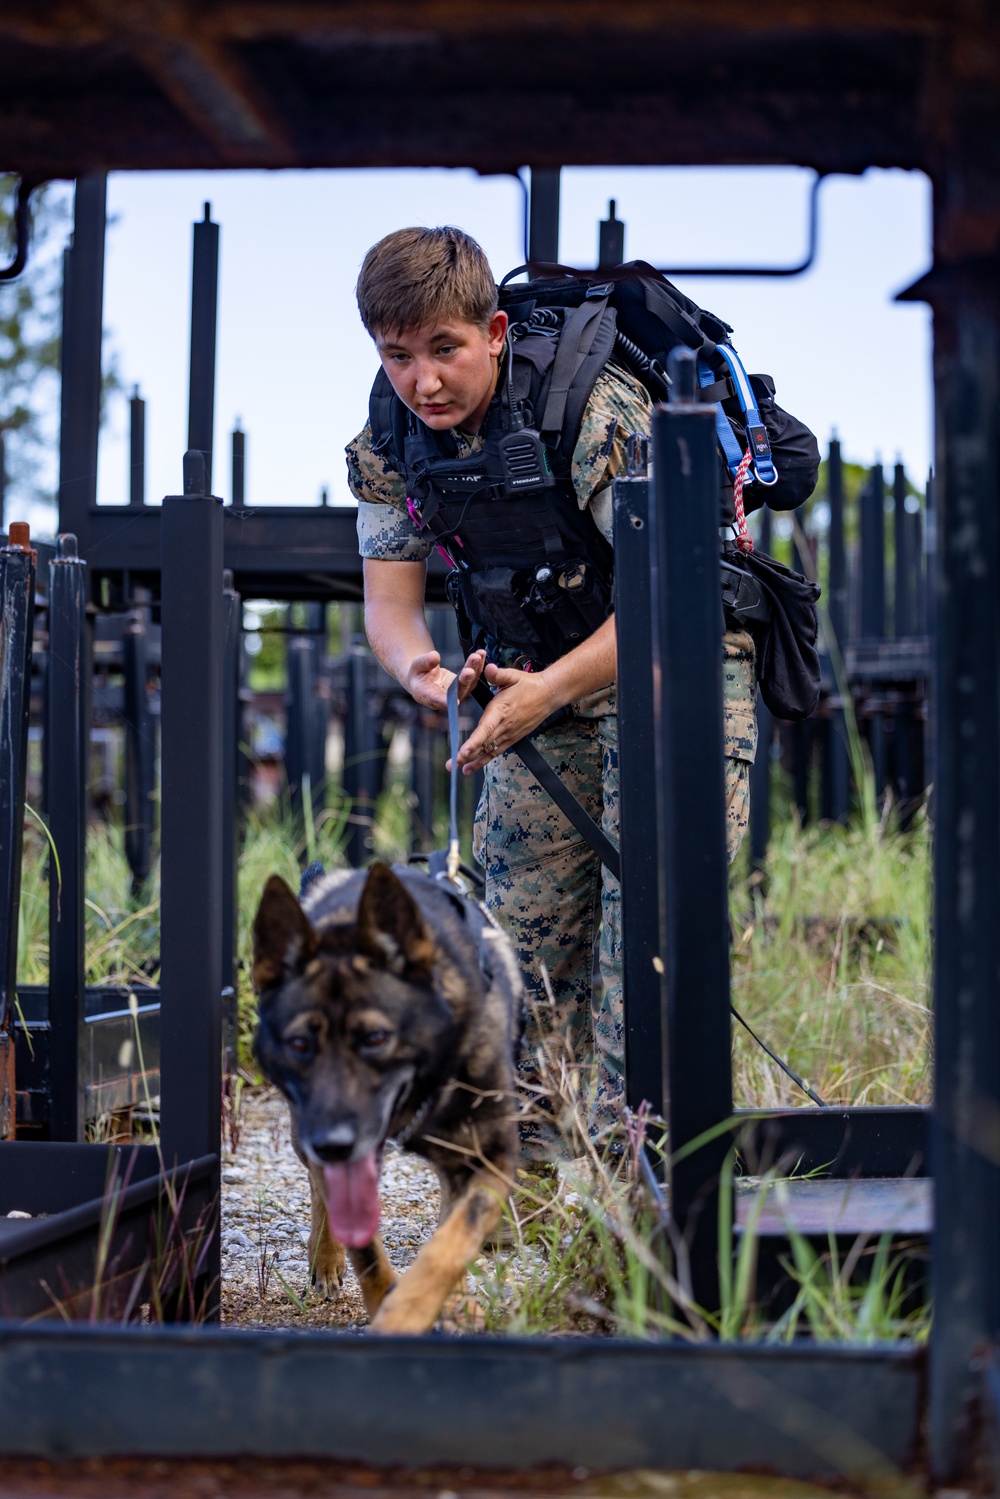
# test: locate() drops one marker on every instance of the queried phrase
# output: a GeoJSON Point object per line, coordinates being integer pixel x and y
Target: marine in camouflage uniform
{"type": "Point", "coordinates": [543, 881]}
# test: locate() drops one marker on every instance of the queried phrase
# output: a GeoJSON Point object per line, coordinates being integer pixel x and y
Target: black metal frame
{"type": "Point", "coordinates": [815, 1411]}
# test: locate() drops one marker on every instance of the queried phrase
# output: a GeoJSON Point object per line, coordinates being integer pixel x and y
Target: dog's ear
{"type": "Point", "coordinates": [283, 939]}
{"type": "Point", "coordinates": [391, 930]}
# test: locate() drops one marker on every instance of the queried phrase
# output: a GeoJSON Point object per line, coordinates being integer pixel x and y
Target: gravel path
{"type": "Point", "coordinates": [265, 1224]}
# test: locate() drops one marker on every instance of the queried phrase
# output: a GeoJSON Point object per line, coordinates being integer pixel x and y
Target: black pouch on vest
{"type": "Point", "coordinates": [787, 659]}
{"type": "Point", "coordinates": [495, 602]}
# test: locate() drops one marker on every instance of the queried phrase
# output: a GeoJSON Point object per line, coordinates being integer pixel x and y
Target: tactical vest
{"type": "Point", "coordinates": [531, 575]}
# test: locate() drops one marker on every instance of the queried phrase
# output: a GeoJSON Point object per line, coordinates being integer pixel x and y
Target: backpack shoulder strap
{"type": "Point", "coordinates": [585, 345]}
{"type": "Point", "coordinates": [386, 418]}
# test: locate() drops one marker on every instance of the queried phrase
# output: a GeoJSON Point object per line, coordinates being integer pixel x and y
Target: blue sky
{"type": "Point", "coordinates": [295, 365]}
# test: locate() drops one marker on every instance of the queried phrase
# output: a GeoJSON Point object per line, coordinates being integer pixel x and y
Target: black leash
{"type": "Point", "coordinates": [604, 847]}
{"type": "Point", "coordinates": [533, 759]}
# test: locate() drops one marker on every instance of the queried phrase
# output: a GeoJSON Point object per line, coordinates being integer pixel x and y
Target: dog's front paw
{"type": "Point", "coordinates": [329, 1267]}
{"type": "Point", "coordinates": [403, 1313]}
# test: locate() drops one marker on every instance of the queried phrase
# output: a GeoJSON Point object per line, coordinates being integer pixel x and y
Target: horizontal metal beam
{"type": "Point", "coordinates": [818, 1412]}
{"type": "Point", "coordinates": [305, 86]}
{"type": "Point", "coordinates": [273, 551]}
{"type": "Point", "coordinates": [862, 1142]}
{"type": "Point", "coordinates": [52, 1261]}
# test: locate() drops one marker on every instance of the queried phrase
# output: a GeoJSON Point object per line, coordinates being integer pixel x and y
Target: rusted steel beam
{"type": "Point", "coordinates": [319, 84]}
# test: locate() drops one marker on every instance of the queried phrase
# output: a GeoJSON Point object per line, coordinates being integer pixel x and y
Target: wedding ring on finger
{"type": "Point", "coordinates": [494, 747]}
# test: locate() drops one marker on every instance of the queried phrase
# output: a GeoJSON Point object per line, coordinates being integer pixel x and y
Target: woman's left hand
{"type": "Point", "coordinates": [521, 702]}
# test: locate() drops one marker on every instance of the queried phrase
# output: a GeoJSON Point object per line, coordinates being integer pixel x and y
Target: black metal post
{"type": "Point", "coordinates": [204, 319]}
{"type": "Point", "coordinates": [299, 712]}
{"type": "Point", "coordinates": [873, 556]}
{"type": "Point", "coordinates": [965, 1154]}
{"type": "Point", "coordinates": [641, 941]}
{"type": "Point", "coordinates": [760, 773]}
{"type": "Point", "coordinates": [137, 451]}
{"type": "Point", "coordinates": [837, 578]}
{"type": "Point", "coordinates": [692, 865]}
{"type": "Point", "coordinates": [838, 763]}
{"type": "Point", "coordinates": [543, 214]}
{"type": "Point", "coordinates": [423, 779]}
{"type": "Point", "coordinates": [82, 329]}
{"type": "Point", "coordinates": [929, 548]}
{"type": "Point", "coordinates": [140, 741]}
{"type": "Point", "coordinates": [17, 602]}
{"type": "Point", "coordinates": [191, 858]}
{"type": "Point", "coordinates": [610, 239]}
{"type": "Point", "coordinates": [232, 649]}
{"type": "Point", "coordinates": [360, 769]}
{"type": "Point", "coordinates": [66, 745]}
{"type": "Point", "coordinates": [903, 579]}
{"type": "Point", "coordinates": [239, 467]}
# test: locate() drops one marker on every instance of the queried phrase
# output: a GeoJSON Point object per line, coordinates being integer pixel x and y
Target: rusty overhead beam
{"type": "Point", "coordinates": [131, 84]}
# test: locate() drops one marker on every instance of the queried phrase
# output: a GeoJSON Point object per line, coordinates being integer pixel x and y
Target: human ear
{"type": "Point", "coordinates": [497, 332]}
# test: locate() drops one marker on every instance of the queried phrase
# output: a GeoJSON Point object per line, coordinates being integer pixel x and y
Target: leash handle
{"type": "Point", "coordinates": [454, 851]}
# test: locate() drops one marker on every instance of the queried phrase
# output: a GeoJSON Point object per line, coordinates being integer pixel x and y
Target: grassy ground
{"type": "Point", "coordinates": [830, 953]}
{"type": "Point", "coordinates": [830, 965]}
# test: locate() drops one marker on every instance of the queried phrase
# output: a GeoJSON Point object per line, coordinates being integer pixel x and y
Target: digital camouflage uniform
{"type": "Point", "coordinates": [543, 881]}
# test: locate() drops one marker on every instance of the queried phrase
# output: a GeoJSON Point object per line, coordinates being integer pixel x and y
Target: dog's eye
{"type": "Point", "coordinates": [375, 1040]}
{"type": "Point", "coordinates": [301, 1046]}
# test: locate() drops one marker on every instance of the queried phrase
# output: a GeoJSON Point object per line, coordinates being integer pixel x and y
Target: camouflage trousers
{"type": "Point", "coordinates": [554, 897]}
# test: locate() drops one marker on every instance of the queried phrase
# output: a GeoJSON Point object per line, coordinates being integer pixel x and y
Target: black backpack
{"type": "Point", "coordinates": [635, 316]}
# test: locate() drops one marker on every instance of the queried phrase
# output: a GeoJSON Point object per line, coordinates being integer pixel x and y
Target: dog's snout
{"type": "Point", "coordinates": [336, 1142]}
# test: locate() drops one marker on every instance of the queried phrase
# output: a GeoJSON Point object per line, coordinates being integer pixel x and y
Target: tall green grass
{"type": "Point", "coordinates": [830, 955]}
{"type": "Point", "coordinates": [832, 963]}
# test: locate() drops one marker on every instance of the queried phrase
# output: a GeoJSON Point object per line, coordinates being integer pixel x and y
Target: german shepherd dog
{"type": "Point", "coordinates": [390, 1007]}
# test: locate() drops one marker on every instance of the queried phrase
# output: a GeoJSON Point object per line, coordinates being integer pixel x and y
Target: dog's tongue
{"type": "Point", "coordinates": [352, 1208]}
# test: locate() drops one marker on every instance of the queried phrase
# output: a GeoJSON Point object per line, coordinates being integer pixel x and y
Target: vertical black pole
{"type": "Point", "coordinates": [873, 556]}
{"type": "Point", "coordinates": [966, 1163]}
{"type": "Point", "coordinates": [137, 451]}
{"type": "Point", "coordinates": [928, 616]}
{"type": "Point", "coordinates": [358, 758]}
{"type": "Point", "coordinates": [140, 741]}
{"type": "Point", "coordinates": [760, 773]}
{"type": "Point", "coordinates": [319, 719]}
{"type": "Point", "coordinates": [17, 603]}
{"type": "Point", "coordinates": [239, 471]}
{"type": "Point", "coordinates": [610, 239]}
{"type": "Point", "coordinates": [423, 777]}
{"type": "Point", "coordinates": [837, 581]}
{"type": "Point", "coordinates": [80, 405]}
{"type": "Point", "coordinates": [191, 856]}
{"type": "Point", "coordinates": [902, 562]}
{"type": "Point", "coordinates": [839, 772]}
{"type": "Point", "coordinates": [692, 864]}
{"type": "Point", "coordinates": [641, 944]}
{"type": "Point", "coordinates": [543, 214]}
{"type": "Point", "coordinates": [204, 318]}
{"type": "Point", "coordinates": [232, 647]}
{"type": "Point", "coordinates": [66, 777]}
{"type": "Point", "coordinates": [298, 719]}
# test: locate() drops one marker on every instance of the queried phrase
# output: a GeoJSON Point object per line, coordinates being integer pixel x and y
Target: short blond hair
{"type": "Point", "coordinates": [417, 276]}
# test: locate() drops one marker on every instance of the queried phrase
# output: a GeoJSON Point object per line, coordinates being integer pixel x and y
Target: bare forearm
{"type": "Point", "coordinates": [397, 632]}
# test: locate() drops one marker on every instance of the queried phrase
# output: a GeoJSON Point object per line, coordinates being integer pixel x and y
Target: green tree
{"type": "Point", "coordinates": [29, 342]}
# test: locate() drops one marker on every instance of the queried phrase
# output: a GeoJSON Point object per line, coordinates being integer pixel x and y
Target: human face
{"type": "Point", "coordinates": [445, 372]}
